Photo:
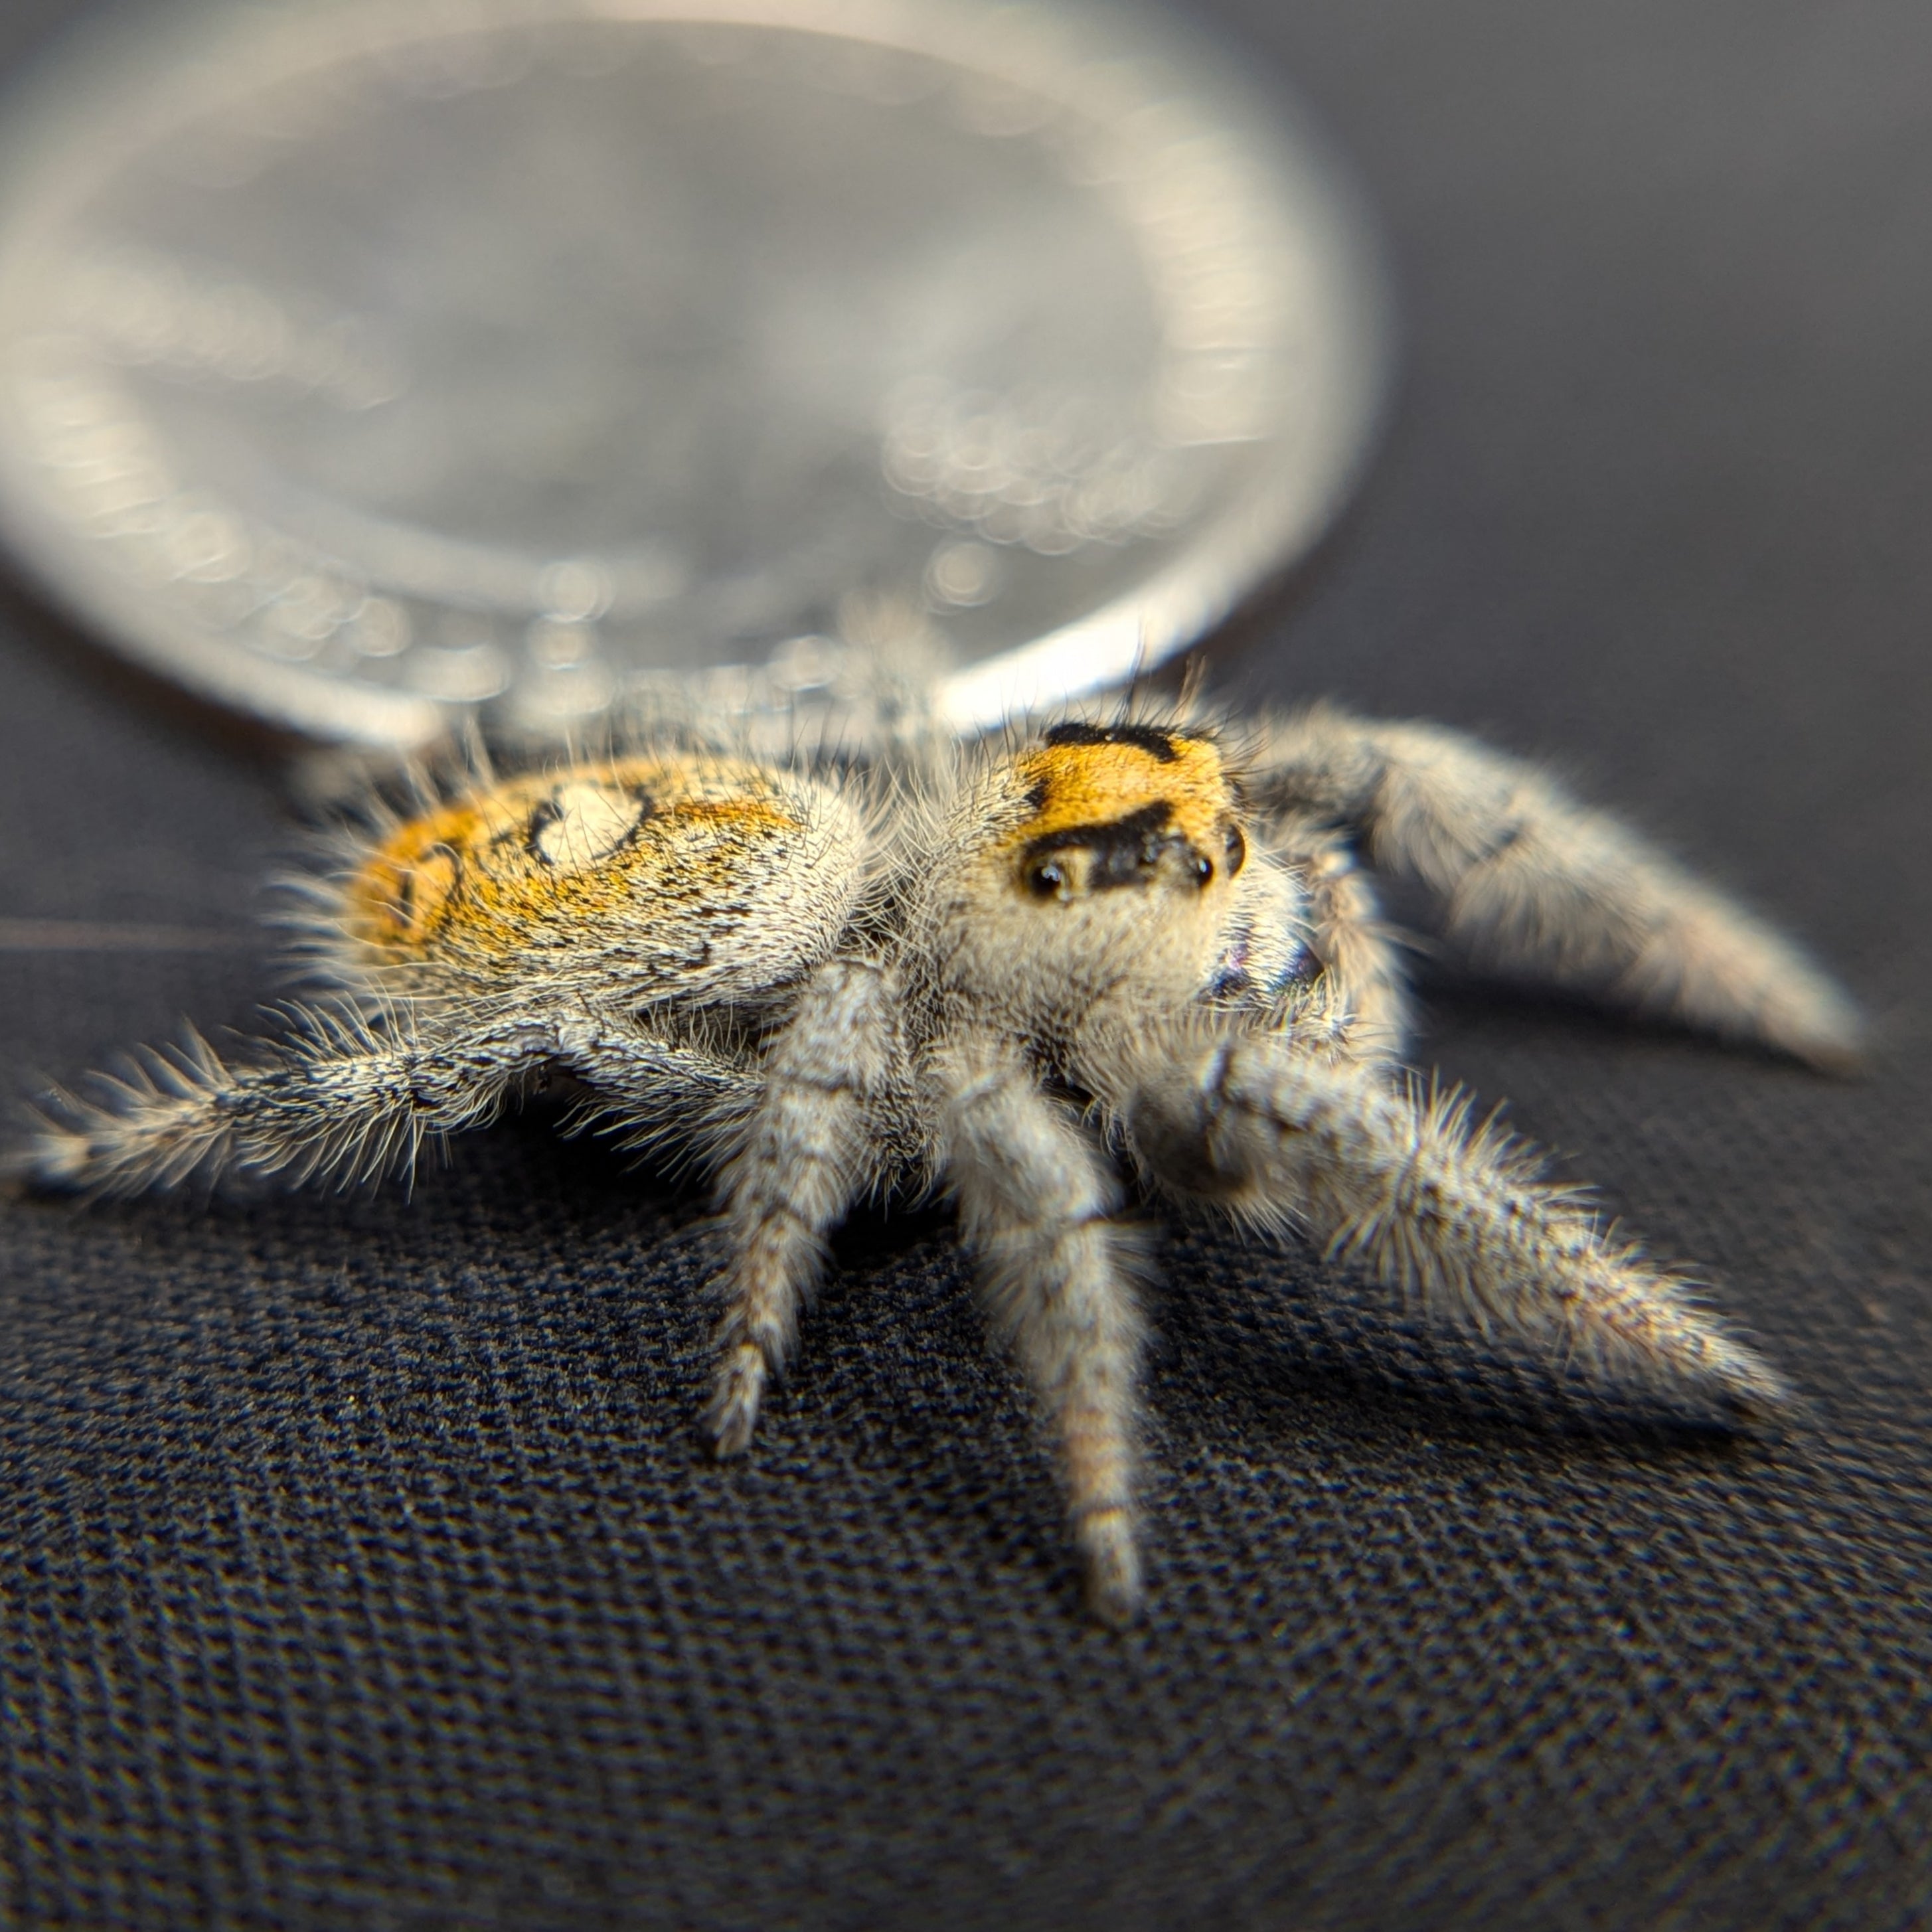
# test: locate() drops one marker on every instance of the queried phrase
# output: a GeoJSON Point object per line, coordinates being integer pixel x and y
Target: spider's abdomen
{"type": "Point", "coordinates": [688, 877]}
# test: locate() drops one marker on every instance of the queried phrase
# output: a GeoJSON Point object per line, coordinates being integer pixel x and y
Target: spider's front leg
{"type": "Point", "coordinates": [1533, 882]}
{"type": "Point", "coordinates": [805, 1151]}
{"type": "Point", "coordinates": [1366, 1017]}
{"type": "Point", "coordinates": [1035, 1198]}
{"type": "Point", "coordinates": [1399, 1181]}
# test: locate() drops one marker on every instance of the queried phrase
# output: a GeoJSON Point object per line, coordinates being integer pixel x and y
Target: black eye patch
{"type": "Point", "coordinates": [1123, 849]}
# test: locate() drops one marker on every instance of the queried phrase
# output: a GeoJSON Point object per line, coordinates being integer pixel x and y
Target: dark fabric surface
{"type": "Point", "coordinates": [361, 1565]}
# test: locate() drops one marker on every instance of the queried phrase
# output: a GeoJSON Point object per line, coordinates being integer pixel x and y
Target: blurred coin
{"type": "Point", "coordinates": [363, 363]}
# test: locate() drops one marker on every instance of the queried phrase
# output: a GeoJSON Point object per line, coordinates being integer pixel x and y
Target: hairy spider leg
{"type": "Point", "coordinates": [1397, 1178]}
{"type": "Point", "coordinates": [1533, 882]}
{"type": "Point", "coordinates": [1036, 1197]}
{"type": "Point", "coordinates": [340, 1099]}
{"type": "Point", "coordinates": [807, 1151]}
{"type": "Point", "coordinates": [1367, 1017]}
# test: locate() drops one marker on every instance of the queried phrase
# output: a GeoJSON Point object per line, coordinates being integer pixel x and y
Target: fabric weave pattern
{"type": "Point", "coordinates": [360, 1563]}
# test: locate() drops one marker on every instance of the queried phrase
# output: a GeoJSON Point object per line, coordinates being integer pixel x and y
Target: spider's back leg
{"type": "Point", "coordinates": [809, 1146]}
{"type": "Point", "coordinates": [334, 1098]}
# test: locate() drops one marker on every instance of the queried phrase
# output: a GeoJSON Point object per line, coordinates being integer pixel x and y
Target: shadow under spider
{"type": "Point", "coordinates": [1286, 1333]}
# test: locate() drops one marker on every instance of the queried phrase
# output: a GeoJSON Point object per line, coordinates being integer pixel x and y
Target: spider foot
{"type": "Point", "coordinates": [734, 1412]}
{"type": "Point", "coordinates": [1820, 1025]}
{"type": "Point", "coordinates": [1112, 1565]}
{"type": "Point", "coordinates": [1750, 1392]}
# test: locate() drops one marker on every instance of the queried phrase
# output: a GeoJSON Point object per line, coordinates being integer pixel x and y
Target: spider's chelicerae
{"type": "Point", "coordinates": [1034, 973]}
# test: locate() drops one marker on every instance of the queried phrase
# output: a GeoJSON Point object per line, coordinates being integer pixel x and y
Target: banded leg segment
{"type": "Point", "coordinates": [804, 1155]}
{"type": "Point", "coordinates": [1035, 1196]}
{"type": "Point", "coordinates": [335, 1099]}
{"type": "Point", "coordinates": [1533, 882]}
{"type": "Point", "coordinates": [1401, 1183]}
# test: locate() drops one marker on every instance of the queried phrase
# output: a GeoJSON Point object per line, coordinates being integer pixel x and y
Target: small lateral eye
{"type": "Point", "coordinates": [1046, 878]}
{"type": "Point", "coordinates": [1237, 849]}
{"type": "Point", "coordinates": [1203, 870]}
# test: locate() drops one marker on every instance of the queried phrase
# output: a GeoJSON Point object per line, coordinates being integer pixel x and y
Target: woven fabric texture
{"type": "Point", "coordinates": [360, 1566]}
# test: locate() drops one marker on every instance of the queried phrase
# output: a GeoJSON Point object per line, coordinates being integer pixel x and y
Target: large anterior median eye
{"type": "Point", "coordinates": [1134, 850]}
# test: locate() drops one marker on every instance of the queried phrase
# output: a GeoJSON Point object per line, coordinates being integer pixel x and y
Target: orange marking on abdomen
{"type": "Point", "coordinates": [572, 846]}
{"type": "Point", "coordinates": [400, 896]}
{"type": "Point", "coordinates": [756, 814]}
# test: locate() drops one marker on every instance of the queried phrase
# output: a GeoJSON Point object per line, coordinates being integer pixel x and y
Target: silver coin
{"type": "Point", "coordinates": [361, 362]}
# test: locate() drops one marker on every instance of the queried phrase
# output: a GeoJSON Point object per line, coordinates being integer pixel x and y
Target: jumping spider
{"type": "Point", "coordinates": [1028, 972]}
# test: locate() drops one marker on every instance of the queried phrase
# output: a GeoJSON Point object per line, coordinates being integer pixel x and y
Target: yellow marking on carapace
{"type": "Point", "coordinates": [486, 876]}
{"type": "Point", "coordinates": [1096, 784]}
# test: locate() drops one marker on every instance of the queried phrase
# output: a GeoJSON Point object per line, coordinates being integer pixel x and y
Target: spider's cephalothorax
{"type": "Point", "coordinates": [1033, 974]}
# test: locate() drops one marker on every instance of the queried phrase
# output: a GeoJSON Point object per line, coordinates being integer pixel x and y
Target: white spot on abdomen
{"type": "Point", "coordinates": [581, 825]}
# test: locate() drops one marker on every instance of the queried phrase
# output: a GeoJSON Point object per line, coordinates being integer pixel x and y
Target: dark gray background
{"type": "Point", "coordinates": [361, 1565]}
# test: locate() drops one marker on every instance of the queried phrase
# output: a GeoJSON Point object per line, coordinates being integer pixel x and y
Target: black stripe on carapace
{"type": "Point", "coordinates": [1142, 737]}
{"type": "Point", "coordinates": [1124, 850]}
